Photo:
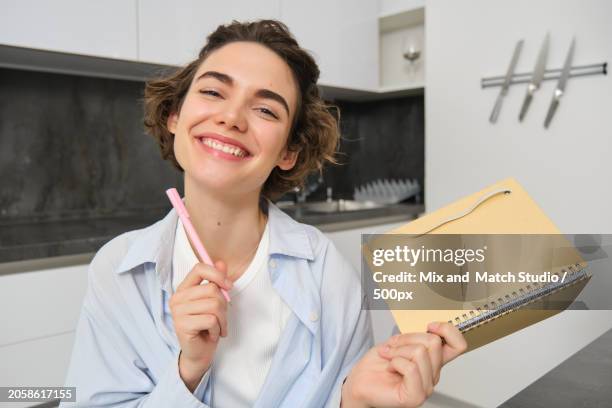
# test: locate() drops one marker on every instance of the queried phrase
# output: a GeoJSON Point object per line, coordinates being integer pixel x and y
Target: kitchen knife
{"type": "Point", "coordinates": [560, 89]}
{"type": "Point", "coordinates": [507, 80]}
{"type": "Point", "coordinates": [536, 78]}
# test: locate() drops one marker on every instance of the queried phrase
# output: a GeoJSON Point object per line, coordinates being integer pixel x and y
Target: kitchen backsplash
{"type": "Point", "coordinates": [74, 146]}
{"type": "Point", "coordinates": [380, 139]}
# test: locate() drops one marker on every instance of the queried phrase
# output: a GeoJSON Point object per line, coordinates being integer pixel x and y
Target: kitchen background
{"type": "Point", "coordinates": [93, 159]}
{"type": "Point", "coordinates": [77, 169]}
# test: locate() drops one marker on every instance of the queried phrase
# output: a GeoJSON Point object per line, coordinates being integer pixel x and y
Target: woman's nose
{"type": "Point", "coordinates": [232, 116]}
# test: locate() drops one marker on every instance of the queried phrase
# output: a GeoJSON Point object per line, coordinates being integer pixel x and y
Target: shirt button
{"type": "Point", "coordinates": [314, 317]}
{"type": "Point", "coordinates": [272, 263]}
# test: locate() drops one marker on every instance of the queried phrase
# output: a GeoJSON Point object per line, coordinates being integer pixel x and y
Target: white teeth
{"type": "Point", "coordinates": [236, 151]}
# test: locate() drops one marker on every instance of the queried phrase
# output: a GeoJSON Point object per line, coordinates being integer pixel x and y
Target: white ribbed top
{"type": "Point", "coordinates": [256, 317]}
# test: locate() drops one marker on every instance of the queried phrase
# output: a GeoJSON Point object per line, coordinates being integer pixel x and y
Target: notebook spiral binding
{"type": "Point", "coordinates": [515, 300]}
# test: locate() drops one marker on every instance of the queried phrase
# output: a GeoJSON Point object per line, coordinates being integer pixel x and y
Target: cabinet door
{"type": "Point", "coordinates": [173, 33]}
{"type": "Point", "coordinates": [40, 362]}
{"type": "Point", "coordinates": [41, 303]}
{"type": "Point", "coordinates": [88, 27]}
{"type": "Point", "coordinates": [343, 36]}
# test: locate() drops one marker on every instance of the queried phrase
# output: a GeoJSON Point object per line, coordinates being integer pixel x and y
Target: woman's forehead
{"type": "Point", "coordinates": [252, 65]}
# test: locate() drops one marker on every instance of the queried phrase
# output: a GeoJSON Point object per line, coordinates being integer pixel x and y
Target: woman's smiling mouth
{"type": "Point", "coordinates": [221, 149]}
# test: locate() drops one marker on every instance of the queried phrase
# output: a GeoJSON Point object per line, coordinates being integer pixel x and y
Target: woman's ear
{"type": "Point", "coordinates": [287, 159]}
{"type": "Point", "coordinates": [171, 123]}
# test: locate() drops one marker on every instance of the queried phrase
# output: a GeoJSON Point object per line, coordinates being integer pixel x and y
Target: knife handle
{"type": "Point", "coordinates": [551, 112]}
{"type": "Point", "coordinates": [496, 108]}
{"type": "Point", "coordinates": [526, 103]}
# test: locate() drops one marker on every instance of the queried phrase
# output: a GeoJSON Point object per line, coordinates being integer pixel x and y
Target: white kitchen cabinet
{"type": "Point", "coordinates": [343, 36]}
{"type": "Point", "coordinates": [173, 33]}
{"type": "Point", "coordinates": [41, 303]}
{"type": "Point", "coordinates": [37, 363]}
{"type": "Point", "coordinates": [402, 30]}
{"type": "Point", "coordinates": [38, 319]}
{"type": "Point", "coordinates": [87, 27]}
{"type": "Point", "coordinates": [389, 7]}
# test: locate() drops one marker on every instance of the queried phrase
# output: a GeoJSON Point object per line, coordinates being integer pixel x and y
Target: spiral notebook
{"type": "Point", "coordinates": [503, 208]}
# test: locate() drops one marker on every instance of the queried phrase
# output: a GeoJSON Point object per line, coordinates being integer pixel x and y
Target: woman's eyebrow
{"type": "Point", "coordinates": [261, 93]}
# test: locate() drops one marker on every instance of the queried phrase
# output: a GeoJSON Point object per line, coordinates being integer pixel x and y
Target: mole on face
{"type": "Point", "coordinates": [218, 223]}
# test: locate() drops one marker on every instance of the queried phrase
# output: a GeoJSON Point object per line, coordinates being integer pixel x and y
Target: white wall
{"type": "Point", "coordinates": [567, 168]}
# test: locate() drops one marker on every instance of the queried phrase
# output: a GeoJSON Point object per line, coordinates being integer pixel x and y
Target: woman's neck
{"type": "Point", "coordinates": [230, 228]}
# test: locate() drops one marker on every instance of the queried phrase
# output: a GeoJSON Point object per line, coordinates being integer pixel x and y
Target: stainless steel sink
{"type": "Point", "coordinates": [330, 206]}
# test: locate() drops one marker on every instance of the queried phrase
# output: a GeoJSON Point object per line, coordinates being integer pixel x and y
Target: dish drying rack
{"type": "Point", "coordinates": [384, 191]}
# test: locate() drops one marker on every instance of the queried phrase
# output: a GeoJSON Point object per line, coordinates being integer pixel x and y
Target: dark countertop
{"type": "Point", "coordinates": [345, 220]}
{"type": "Point", "coordinates": [40, 245]}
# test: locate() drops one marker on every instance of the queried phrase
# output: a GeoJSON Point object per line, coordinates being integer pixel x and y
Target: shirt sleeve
{"type": "Point", "coordinates": [336, 398]}
{"type": "Point", "coordinates": [362, 341]}
{"type": "Point", "coordinates": [201, 388]}
{"type": "Point", "coordinates": [348, 321]}
{"type": "Point", "coordinates": [106, 369]}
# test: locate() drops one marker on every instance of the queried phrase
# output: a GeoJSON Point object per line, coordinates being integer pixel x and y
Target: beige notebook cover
{"type": "Point", "coordinates": [503, 208]}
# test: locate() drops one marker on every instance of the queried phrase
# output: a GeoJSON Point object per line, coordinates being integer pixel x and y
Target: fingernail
{"type": "Point", "coordinates": [433, 325]}
{"type": "Point", "coordinates": [385, 349]}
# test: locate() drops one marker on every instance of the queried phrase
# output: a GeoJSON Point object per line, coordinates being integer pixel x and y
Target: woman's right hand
{"type": "Point", "coordinates": [199, 316]}
{"type": "Point", "coordinates": [403, 371]}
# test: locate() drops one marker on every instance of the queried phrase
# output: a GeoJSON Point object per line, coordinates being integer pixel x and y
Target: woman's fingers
{"type": "Point", "coordinates": [414, 393]}
{"type": "Point", "coordinates": [199, 292]}
{"type": "Point", "coordinates": [455, 343]}
{"type": "Point", "coordinates": [432, 342]}
{"type": "Point", "coordinates": [202, 272]}
{"type": "Point", "coordinates": [215, 330]}
{"type": "Point", "coordinates": [193, 325]}
{"type": "Point", "coordinates": [418, 354]}
{"type": "Point", "coordinates": [203, 306]}
{"type": "Point", "coordinates": [214, 306]}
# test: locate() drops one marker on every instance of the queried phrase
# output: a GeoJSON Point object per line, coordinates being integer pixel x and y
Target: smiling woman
{"type": "Point", "coordinates": [231, 108]}
{"type": "Point", "coordinates": [306, 127]}
{"type": "Point", "coordinates": [244, 122]}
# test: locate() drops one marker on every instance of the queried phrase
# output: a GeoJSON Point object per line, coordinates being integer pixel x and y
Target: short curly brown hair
{"type": "Point", "coordinates": [314, 132]}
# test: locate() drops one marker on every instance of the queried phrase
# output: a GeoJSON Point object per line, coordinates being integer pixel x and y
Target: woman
{"type": "Point", "coordinates": [245, 124]}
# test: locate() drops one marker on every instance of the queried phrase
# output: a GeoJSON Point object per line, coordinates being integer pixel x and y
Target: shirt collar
{"type": "Point", "coordinates": [288, 238]}
{"type": "Point", "coordinates": [156, 242]}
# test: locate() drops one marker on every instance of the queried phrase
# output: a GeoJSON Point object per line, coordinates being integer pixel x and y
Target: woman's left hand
{"type": "Point", "coordinates": [403, 371]}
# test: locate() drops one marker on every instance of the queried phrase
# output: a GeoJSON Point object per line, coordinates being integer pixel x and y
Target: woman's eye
{"type": "Point", "coordinates": [210, 92]}
{"type": "Point", "coordinates": [268, 112]}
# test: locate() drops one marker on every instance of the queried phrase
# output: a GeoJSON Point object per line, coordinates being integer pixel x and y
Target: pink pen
{"type": "Point", "coordinates": [178, 205]}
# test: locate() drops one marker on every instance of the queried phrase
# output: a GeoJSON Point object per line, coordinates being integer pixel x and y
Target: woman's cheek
{"type": "Point", "coordinates": [272, 137]}
{"type": "Point", "coordinates": [180, 150]}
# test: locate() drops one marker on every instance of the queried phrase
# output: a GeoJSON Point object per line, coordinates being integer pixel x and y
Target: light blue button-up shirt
{"type": "Point", "coordinates": [126, 351]}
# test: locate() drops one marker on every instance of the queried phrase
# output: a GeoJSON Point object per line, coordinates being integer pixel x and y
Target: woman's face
{"type": "Point", "coordinates": [233, 125]}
